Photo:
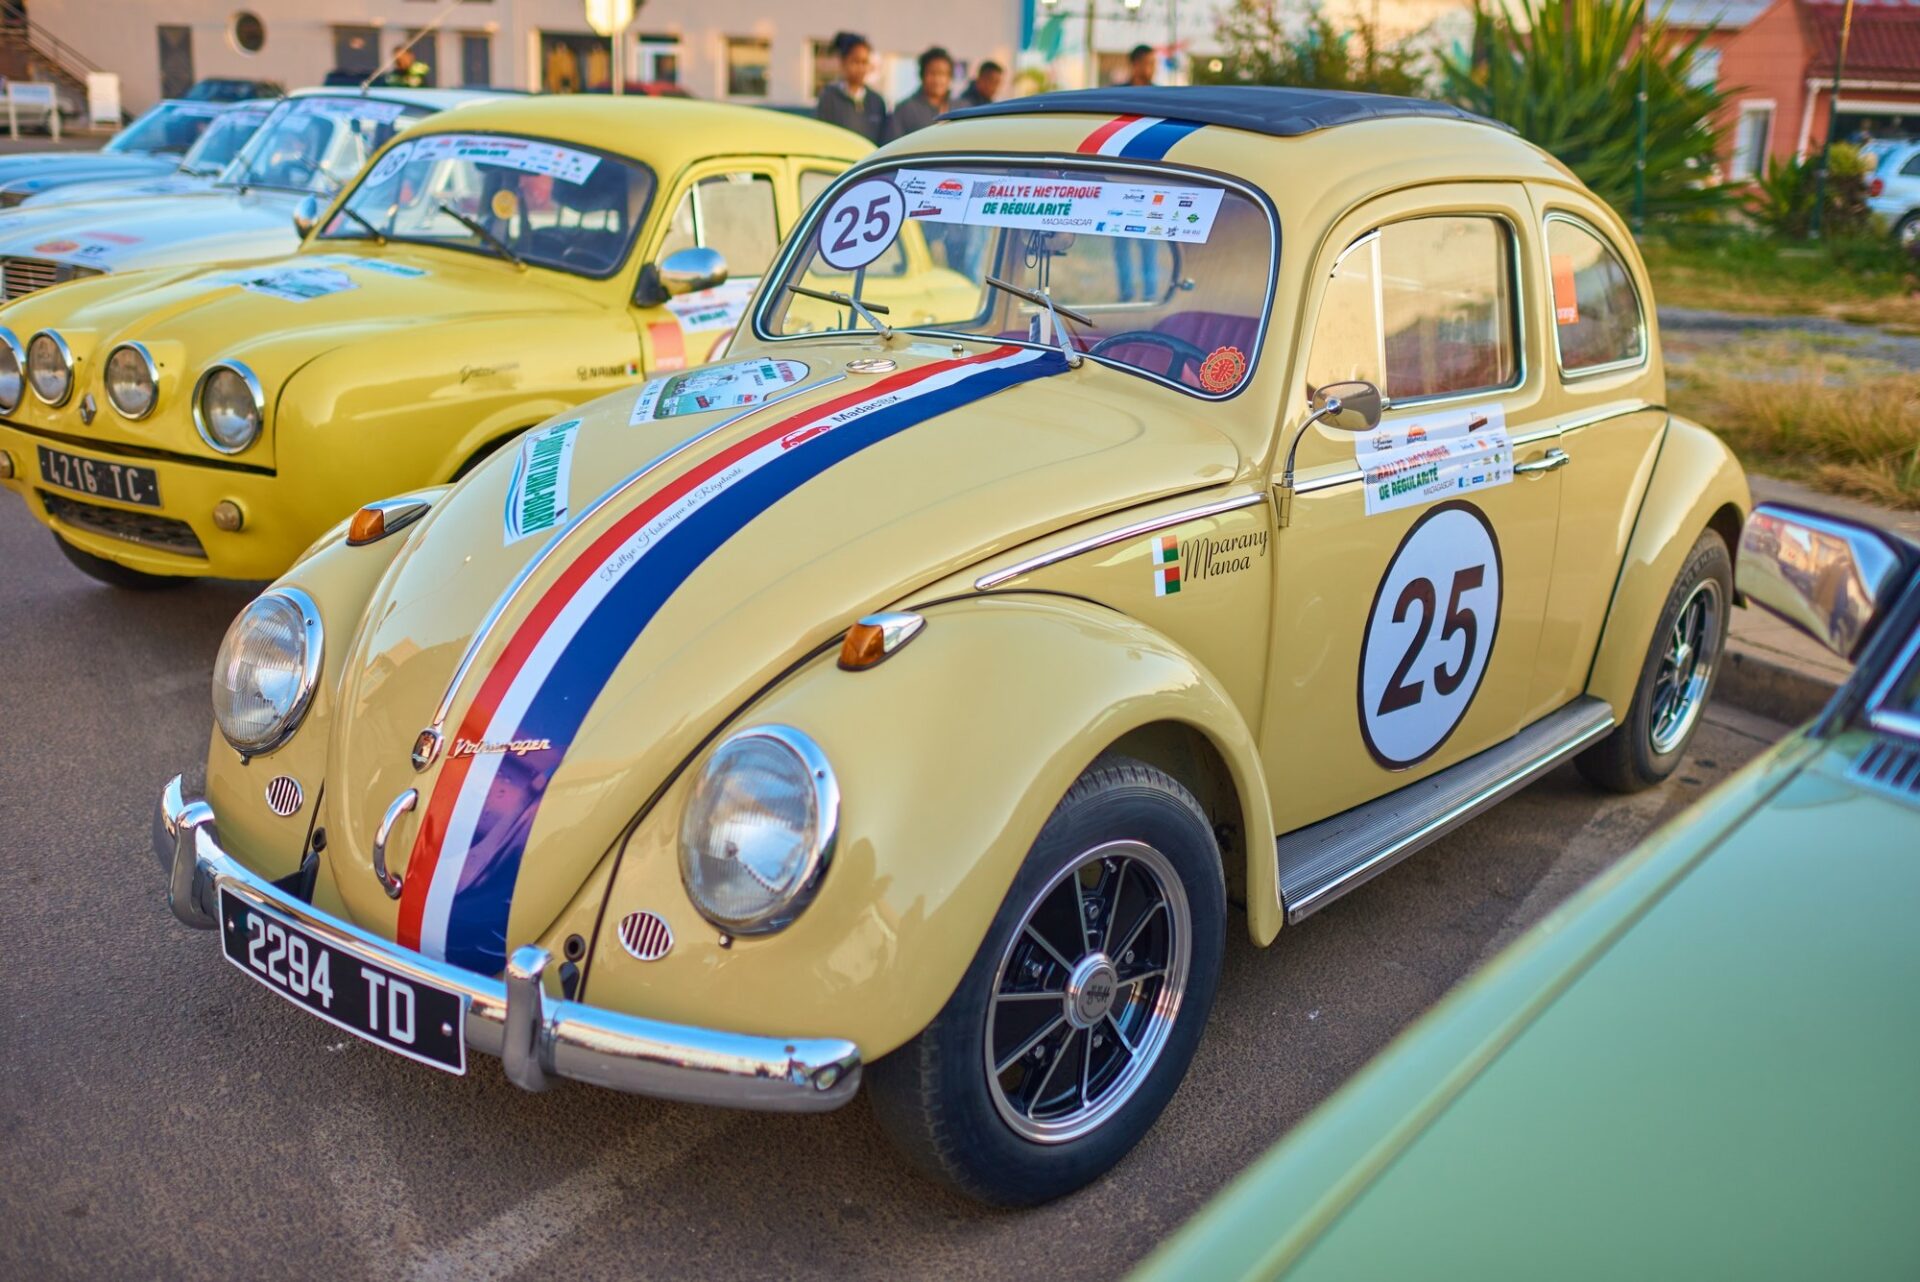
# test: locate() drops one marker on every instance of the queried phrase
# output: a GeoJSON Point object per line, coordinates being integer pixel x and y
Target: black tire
{"type": "Point", "coordinates": [113, 574]}
{"type": "Point", "coordinates": [936, 1097]}
{"type": "Point", "coordinates": [1906, 234]}
{"type": "Point", "coordinates": [1650, 744]}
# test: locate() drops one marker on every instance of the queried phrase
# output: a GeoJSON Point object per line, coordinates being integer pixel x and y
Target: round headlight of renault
{"type": "Point", "coordinates": [13, 371]}
{"type": "Point", "coordinates": [50, 367]}
{"type": "Point", "coordinates": [758, 830]}
{"type": "Point", "coordinates": [228, 407]}
{"type": "Point", "coordinates": [264, 676]}
{"type": "Point", "coordinates": [133, 383]}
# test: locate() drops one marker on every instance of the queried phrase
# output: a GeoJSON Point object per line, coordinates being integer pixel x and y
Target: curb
{"type": "Point", "coordinates": [1756, 682]}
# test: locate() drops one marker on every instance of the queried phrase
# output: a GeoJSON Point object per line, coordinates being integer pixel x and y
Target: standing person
{"type": "Point", "coordinates": [1130, 254]}
{"type": "Point", "coordinates": [930, 102]}
{"type": "Point", "coordinates": [408, 71]}
{"type": "Point", "coordinates": [985, 87]}
{"type": "Point", "coordinates": [1140, 65]}
{"type": "Point", "coordinates": [848, 102]}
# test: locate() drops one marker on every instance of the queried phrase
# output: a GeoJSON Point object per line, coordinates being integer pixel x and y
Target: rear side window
{"type": "Point", "coordinates": [732, 213]}
{"type": "Point", "coordinates": [1912, 168]}
{"type": "Point", "coordinates": [1422, 308]}
{"type": "Point", "coordinates": [1596, 312]}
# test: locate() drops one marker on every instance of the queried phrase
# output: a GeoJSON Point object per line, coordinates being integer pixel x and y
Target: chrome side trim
{"type": "Point", "coordinates": [1125, 532]}
{"type": "Point", "coordinates": [559, 536]}
{"type": "Point", "coordinates": [536, 1036]}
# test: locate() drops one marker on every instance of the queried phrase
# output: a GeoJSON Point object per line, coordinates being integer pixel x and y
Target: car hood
{"type": "Point", "coordinates": [31, 171]}
{"type": "Point", "coordinates": [219, 223]}
{"type": "Point", "coordinates": [582, 611]}
{"type": "Point", "coordinates": [125, 187]}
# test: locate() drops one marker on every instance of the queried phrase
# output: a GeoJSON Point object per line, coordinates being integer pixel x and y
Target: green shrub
{"type": "Point", "coordinates": [1783, 196]}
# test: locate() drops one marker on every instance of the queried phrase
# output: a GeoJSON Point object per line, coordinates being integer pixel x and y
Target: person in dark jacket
{"type": "Point", "coordinates": [931, 102]}
{"type": "Point", "coordinates": [848, 102]}
{"type": "Point", "coordinates": [985, 87]}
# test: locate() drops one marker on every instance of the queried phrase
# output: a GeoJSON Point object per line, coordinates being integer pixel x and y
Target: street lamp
{"type": "Point", "coordinates": [1093, 57]}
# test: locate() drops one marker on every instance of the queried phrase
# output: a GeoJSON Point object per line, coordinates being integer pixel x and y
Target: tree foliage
{"type": "Point", "coordinates": [1266, 44]}
{"type": "Point", "coordinates": [1783, 198]}
{"type": "Point", "coordinates": [1566, 75]}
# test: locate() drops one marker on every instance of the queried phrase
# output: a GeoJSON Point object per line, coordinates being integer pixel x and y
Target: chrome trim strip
{"type": "Point", "coordinates": [153, 380]}
{"type": "Point", "coordinates": [315, 636]}
{"type": "Point", "coordinates": [259, 406]}
{"type": "Point", "coordinates": [1601, 416]}
{"type": "Point", "coordinates": [1121, 535]}
{"type": "Point", "coordinates": [66, 361]}
{"type": "Point", "coordinates": [552, 1037]}
{"type": "Point", "coordinates": [559, 536]}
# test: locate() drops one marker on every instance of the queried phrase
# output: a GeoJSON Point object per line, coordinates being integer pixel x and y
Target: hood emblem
{"type": "Point", "coordinates": [425, 748]}
{"type": "Point", "coordinates": [491, 747]}
{"type": "Point", "coordinates": [88, 409]}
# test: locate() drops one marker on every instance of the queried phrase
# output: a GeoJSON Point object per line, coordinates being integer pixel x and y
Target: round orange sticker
{"type": "Point", "coordinates": [1223, 369]}
{"type": "Point", "coordinates": [505, 204]}
{"type": "Point", "coordinates": [56, 247]}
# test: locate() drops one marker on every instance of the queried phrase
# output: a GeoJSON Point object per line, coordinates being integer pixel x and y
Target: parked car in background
{"type": "Point", "coordinates": [309, 145]}
{"type": "Point", "coordinates": [224, 89]}
{"type": "Point", "coordinates": [151, 146]}
{"type": "Point", "coordinates": [897, 700]}
{"type": "Point", "coordinates": [199, 169]}
{"type": "Point", "coordinates": [1702, 1066]}
{"type": "Point", "coordinates": [494, 266]}
{"type": "Point", "coordinates": [1894, 190]}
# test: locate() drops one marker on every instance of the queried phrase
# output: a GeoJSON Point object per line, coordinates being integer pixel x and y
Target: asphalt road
{"type": "Point", "coordinates": [161, 1115]}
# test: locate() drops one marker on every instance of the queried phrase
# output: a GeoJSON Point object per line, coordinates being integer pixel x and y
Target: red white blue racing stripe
{"type": "Point", "coordinates": [466, 858]}
{"type": "Point", "coordinates": [1136, 137]}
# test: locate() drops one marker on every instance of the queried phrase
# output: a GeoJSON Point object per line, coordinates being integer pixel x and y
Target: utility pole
{"type": "Point", "coordinates": [1833, 123]}
{"type": "Point", "coordinates": [1640, 128]}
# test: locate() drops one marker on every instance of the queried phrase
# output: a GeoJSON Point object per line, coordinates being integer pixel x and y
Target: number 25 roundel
{"type": "Point", "coordinates": [1428, 634]}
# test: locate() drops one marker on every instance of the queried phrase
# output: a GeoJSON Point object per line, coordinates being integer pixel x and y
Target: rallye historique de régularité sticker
{"type": "Point", "coordinates": [1450, 453]}
{"type": "Point", "coordinates": [1090, 206]}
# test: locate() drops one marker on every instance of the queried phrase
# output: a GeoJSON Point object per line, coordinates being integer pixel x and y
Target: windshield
{"type": "Point", "coordinates": [525, 198]}
{"type": "Point", "coordinates": [318, 144]}
{"type": "Point", "coordinates": [169, 128]}
{"type": "Point", "coordinates": [1170, 271]}
{"type": "Point", "coordinates": [223, 140]}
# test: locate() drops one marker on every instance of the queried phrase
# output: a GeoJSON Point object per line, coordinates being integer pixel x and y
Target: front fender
{"type": "Point", "coordinates": [950, 757]}
{"type": "Point", "coordinates": [1697, 485]}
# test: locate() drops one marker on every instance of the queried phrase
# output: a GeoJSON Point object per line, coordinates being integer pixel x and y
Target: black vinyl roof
{"type": "Point", "coordinates": [1262, 109]}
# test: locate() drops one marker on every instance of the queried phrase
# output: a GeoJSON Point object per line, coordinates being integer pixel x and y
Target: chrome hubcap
{"type": "Point", "coordinates": [1686, 668]}
{"type": "Point", "coordinates": [1087, 992]}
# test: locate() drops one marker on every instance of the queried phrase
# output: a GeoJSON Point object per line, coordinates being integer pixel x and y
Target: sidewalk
{"type": "Point", "coordinates": [1771, 668]}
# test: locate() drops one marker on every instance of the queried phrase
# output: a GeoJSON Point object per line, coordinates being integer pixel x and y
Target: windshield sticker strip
{"type": "Point", "coordinates": [466, 856]}
{"type": "Point", "coordinates": [1136, 137]}
{"type": "Point", "coordinates": [1128, 210]}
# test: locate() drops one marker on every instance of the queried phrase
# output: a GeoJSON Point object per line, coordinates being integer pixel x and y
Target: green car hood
{"type": "Point", "coordinates": [1702, 1067]}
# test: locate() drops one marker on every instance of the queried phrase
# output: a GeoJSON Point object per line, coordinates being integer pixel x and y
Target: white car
{"type": "Point", "coordinates": [314, 141]}
{"type": "Point", "coordinates": [199, 169]}
{"type": "Point", "coordinates": [1894, 190]}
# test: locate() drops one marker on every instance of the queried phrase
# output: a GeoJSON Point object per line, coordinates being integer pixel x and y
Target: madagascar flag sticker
{"type": "Point", "coordinates": [1165, 554]}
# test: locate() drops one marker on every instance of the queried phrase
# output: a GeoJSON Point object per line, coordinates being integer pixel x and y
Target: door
{"type": "Point", "coordinates": [729, 206]}
{"type": "Point", "coordinates": [176, 61]}
{"type": "Point", "coordinates": [1413, 569]}
{"type": "Point", "coordinates": [1611, 420]}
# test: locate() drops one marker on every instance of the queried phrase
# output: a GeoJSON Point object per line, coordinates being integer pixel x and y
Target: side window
{"type": "Point", "coordinates": [1596, 313]}
{"type": "Point", "coordinates": [1421, 308]}
{"type": "Point", "coordinates": [1912, 168]}
{"type": "Point", "coordinates": [732, 213]}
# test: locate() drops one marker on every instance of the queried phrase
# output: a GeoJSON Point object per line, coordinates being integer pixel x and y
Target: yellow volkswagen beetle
{"type": "Point", "coordinates": [918, 703]}
{"type": "Point", "coordinates": [491, 267]}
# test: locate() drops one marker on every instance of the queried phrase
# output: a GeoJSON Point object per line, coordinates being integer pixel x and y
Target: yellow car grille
{"type": "Point", "coordinates": [21, 276]}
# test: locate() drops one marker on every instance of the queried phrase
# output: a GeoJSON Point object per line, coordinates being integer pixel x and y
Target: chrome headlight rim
{"type": "Point", "coordinates": [19, 354]}
{"type": "Point", "coordinates": [826, 803]}
{"type": "Point", "coordinates": [248, 377]}
{"type": "Point", "coordinates": [153, 380]}
{"type": "Point", "coordinates": [315, 637]}
{"type": "Point", "coordinates": [66, 363]}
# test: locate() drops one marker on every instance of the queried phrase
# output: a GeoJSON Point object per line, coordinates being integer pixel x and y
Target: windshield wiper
{"type": "Point", "coordinates": [870, 312]}
{"type": "Point", "coordinates": [480, 229]}
{"type": "Point", "coordinates": [1060, 336]}
{"type": "Point", "coordinates": [379, 237]}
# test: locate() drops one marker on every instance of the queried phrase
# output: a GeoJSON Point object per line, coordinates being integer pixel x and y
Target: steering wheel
{"type": "Point", "coordinates": [1184, 353]}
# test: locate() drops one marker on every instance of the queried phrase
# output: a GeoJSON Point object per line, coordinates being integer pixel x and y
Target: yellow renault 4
{"type": "Point", "coordinates": [490, 268]}
{"type": "Point", "coordinates": [1294, 481]}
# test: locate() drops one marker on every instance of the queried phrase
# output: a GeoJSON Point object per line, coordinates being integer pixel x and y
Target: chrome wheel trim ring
{"type": "Point", "coordinates": [1686, 668]}
{"type": "Point", "coordinates": [1142, 939]}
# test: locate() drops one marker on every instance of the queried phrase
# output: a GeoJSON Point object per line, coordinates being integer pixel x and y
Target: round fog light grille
{"type": "Point", "coordinates": [646, 935]}
{"type": "Point", "coordinates": [284, 796]}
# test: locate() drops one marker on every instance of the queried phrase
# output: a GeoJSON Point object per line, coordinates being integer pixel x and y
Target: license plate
{"type": "Point", "coordinates": [395, 1012]}
{"type": "Point", "coordinates": [122, 481]}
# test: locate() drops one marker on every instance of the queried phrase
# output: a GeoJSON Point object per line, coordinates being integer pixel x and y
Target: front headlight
{"type": "Point", "coordinates": [13, 371]}
{"type": "Point", "coordinates": [50, 367]}
{"type": "Point", "coordinates": [228, 406]}
{"type": "Point", "coordinates": [133, 384]}
{"type": "Point", "coordinates": [264, 676]}
{"type": "Point", "coordinates": [758, 830]}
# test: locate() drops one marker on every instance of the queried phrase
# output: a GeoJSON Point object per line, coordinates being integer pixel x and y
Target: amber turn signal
{"type": "Point", "coordinates": [376, 521]}
{"type": "Point", "coordinates": [878, 636]}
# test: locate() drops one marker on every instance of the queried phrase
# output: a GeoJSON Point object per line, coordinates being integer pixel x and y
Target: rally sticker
{"type": "Point", "coordinates": [709, 309]}
{"type": "Point", "coordinates": [1223, 369]}
{"type": "Point", "coordinates": [717, 387]}
{"type": "Point", "coordinates": [1180, 562]}
{"type": "Point", "coordinates": [528, 156]}
{"type": "Point", "coordinates": [1429, 633]}
{"type": "Point", "coordinates": [372, 110]}
{"type": "Point", "coordinates": [295, 284]}
{"type": "Point", "coordinates": [861, 223]}
{"type": "Point", "coordinates": [1443, 454]}
{"type": "Point", "coordinates": [537, 495]}
{"type": "Point", "coordinates": [88, 246]}
{"type": "Point", "coordinates": [1137, 211]}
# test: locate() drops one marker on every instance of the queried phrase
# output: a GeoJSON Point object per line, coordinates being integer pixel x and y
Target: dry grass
{"type": "Point", "coordinates": [1814, 414]}
{"type": "Point", "coordinates": [1758, 278]}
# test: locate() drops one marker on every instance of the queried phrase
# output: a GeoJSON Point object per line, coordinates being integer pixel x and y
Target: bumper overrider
{"type": "Point", "coordinates": [535, 1036]}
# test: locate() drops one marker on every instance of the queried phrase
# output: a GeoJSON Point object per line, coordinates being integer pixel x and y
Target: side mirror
{"type": "Point", "coordinates": [1830, 578]}
{"type": "Point", "coordinates": [305, 215]}
{"type": "Point", "coordinates": [691, 270]}
{"type": "Point", "coordinates": [1351, 407]}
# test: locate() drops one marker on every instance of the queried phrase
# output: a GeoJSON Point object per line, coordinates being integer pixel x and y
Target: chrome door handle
{"type": "Point", "coordinates": [1552, 461]}
{"type": "Point", "coordinates": [401, 804]}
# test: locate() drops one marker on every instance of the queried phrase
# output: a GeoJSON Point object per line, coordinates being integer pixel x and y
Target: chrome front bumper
{"type": "Point", "coordinates": [535, 1036]}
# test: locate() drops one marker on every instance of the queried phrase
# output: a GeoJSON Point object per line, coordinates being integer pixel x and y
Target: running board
{"type": "Point", "coordinates": [1322, 862]}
